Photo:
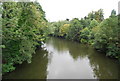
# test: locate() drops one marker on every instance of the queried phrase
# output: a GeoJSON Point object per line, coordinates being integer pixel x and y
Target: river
{"type": "Point", "coordinates": [63, 59]}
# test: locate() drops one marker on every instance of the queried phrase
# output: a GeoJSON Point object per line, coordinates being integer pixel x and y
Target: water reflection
{"type": "Point", "coordinates": [35, 70]}
{"type": "Point", "coordinates": [103, 67]}
{"type": "Point", "coordinates": [63, 59]}
{"type": "Point", "coordinates": [77, 61]}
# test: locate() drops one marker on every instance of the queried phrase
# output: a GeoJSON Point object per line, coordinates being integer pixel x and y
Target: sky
{"type": "Point", "coordinates": [62, 9]}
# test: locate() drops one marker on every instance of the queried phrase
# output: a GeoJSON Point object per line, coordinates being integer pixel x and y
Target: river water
{"type": "Point", "coordinates": [63, 59]}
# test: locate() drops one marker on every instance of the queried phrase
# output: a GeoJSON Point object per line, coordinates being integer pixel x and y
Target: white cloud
{"type": "Point", "coordinates": [62, 9]}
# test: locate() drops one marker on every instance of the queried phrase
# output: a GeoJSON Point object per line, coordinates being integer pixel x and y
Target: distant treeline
{"type": "Point", "coordinates": [102, 34]}
{"type": "Point", "coordinates": [24, 27]}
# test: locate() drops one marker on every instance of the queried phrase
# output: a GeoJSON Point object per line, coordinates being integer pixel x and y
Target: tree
{"type": "Point", "coordinates": [99, 15]}
{"type": "Point", "coordinates": [84, 36]}
{"type": "Point", "coordinates": [91, 15]}
{"type": "Point", "coordinates": [23, 29]}
{"type": "Point", "coordinates": [113, 13]}
{"type": "Point", "coordinates": [93, 23]}
{"type": "Point", "coordinates": [106, 39]}
{"type": "Point", "coordinates": [75, 27]}
{"type": "Point", "coordinates": [85, 22]}
{"type": "Point", "coordinates": [64, 30]}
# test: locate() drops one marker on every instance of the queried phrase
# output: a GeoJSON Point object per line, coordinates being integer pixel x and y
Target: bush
{"type": "Point", "coordinates": [23, 27]}
{"type": "Point", "coordinates": [106, 39]}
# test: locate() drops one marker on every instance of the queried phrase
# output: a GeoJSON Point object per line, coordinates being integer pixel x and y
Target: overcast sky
{"type": "Point", "coordinates": [61, 9]}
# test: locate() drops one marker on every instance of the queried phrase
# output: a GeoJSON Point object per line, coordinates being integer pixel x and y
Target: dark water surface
{"type": "Point", "coordinates": [63, 59]}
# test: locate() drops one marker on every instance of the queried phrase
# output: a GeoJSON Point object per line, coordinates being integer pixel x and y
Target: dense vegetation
{"type": "Point", "coordinates": [23, 25]}
{"type": "Point", "coordinates": [93, 29]}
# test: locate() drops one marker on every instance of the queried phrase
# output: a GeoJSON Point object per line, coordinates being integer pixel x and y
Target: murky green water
{"type": "Point", "coordinates": [62, 59]}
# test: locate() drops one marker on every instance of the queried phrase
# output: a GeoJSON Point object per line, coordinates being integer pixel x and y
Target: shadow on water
{"type": "Point", "coordinates": [35, 70]}
{"type": "Point", "coordinates": [63, 59]}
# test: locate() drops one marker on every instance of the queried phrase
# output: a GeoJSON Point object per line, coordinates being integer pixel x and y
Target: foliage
{"type": "Point", "coordinates": [74, 30]}
{"type": "Point", "coordinates": [23, 25]}
{"type": "Point", "coordinates": [93, 29]}
{"type": "Point", "coordinates": [85, 35]}
{"type": "Point", "coordinates": [106, 39]}
{"type": "Point", "coordinates": [93, 23]}
{"type": "Point", "coordinates": [113, 13]}
{"type": "Point", "coordinates": [85, 22]}
{"type": "Point", "coordinates": [59, 28]}
{"type": "Point", "coordinates": [64, 30]}
{"type": "Point", "coordinates": [97, 15]}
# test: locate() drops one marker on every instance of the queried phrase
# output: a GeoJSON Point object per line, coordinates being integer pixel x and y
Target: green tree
{"type": "Point", "coordinates": [64, 30]}
{"type": "Point", "coordinates": [23, 26]}
{"type": "Point", "coordinates": [84, 36]}
{"type": "Point", "coordinates": [106, 39]}
{"type": "Point", "coordinates": [113, 13]}
{"type": "Point", "coordinates": [93, 23]}
{"type": "Point", "coordinates": [97, 15]}
{"type": "Point", "coordinates": [85, 22]}
{"type": "Point", "coordinates": [74, 30]}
